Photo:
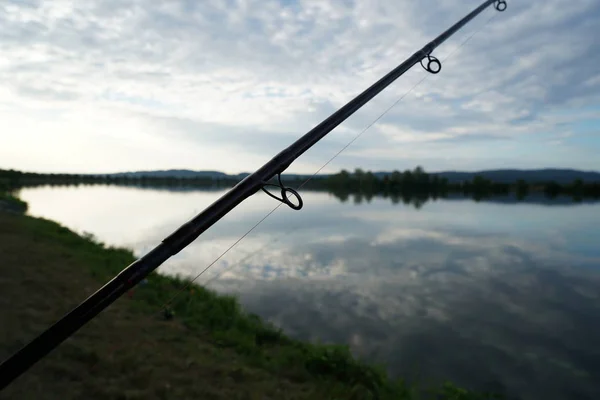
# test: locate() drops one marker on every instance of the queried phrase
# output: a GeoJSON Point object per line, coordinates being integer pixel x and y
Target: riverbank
{"type": "Point", "coordinates": [209, 348]}
{"type": "Point", "coordinates": [10, 203]}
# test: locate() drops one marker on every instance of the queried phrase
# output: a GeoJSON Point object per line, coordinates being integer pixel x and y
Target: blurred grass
{"type": "Point", "coordinates": [210, 348]}
{"type": "Point", "coordinates": [9, 202]}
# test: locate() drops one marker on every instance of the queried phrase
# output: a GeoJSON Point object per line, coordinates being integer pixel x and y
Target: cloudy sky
{"type": "Point", "coordinates": [107, 85]}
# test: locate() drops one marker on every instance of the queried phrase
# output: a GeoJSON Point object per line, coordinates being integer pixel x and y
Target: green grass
{"type": "Point", "coordinates": [9, 202]}
{"type": "Point", "coordinates": [210, 348]}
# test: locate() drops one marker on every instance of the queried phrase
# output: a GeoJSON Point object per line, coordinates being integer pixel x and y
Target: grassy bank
{"type": "Point", "coordinates": [210, 348]}
{"type": "Point", "coordinates": [9, 202]}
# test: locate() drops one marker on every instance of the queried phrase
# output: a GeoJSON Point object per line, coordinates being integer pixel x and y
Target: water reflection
{"type": "Point", "coordinates": [490, 294]}
{"type": "Point", "coordinates": [476, 311]}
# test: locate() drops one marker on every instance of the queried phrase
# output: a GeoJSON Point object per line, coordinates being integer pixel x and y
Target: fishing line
{"type": "Point", "coordinates": [250, 255]}
{"type": "Point", "coordinates": [336, 155]}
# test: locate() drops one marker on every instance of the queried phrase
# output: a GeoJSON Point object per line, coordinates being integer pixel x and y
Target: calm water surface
{"type": "Point", "coordinates": [489, 295]}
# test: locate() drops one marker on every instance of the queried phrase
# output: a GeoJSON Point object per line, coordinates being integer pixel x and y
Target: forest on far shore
{"type": "Point", "coordinates": [414, 183]}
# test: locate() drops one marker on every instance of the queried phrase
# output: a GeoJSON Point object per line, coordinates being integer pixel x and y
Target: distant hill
{"type": "Point", "coordinates": [177, 173]}
{"type": "Point", "coordinates": [186, 173]}
{"type": "Point", "coordinates": [561, 176]}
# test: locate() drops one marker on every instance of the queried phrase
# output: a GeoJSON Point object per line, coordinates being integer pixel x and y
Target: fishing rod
{"type": "Point", "coordinates": [32, 352]}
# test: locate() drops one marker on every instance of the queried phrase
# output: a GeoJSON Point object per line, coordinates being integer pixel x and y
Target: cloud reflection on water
{"type": "Point", "coordinates": [487, 311]}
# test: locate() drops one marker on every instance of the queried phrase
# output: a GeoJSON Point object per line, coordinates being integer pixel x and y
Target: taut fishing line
{"type": "Point", "coordinates": [335, 156]}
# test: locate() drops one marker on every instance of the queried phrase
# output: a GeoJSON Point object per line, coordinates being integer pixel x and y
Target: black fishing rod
{"type": "Point", "coordinates": [23, 359]}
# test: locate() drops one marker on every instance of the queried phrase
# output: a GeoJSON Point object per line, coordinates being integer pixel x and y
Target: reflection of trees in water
{"type": "Point", "coordinates": [419, 199]}
{"type": "Point", "coordinates": [416, 199]}
{"type": "Point", "coordinates": [417, 187]}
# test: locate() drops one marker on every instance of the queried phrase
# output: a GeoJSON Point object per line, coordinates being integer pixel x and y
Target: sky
{"type": "Point", "coordinates": [121, 85]}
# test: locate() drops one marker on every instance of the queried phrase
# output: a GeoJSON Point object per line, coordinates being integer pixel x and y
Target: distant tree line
{"type": "Point", "coordinates": [11, 179]}
{"type": "Point", "coordinates": [411, 185]}
{"type": "Point", "coordinates": [418, 184]}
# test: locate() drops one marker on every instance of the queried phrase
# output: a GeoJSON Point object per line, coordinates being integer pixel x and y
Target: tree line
{"type": "Point", "coordinates": [412, 184]}
{"type": "Point", "coordinates": [419, 184]}
{"type": "Point", "coordinates": [12, 179]}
